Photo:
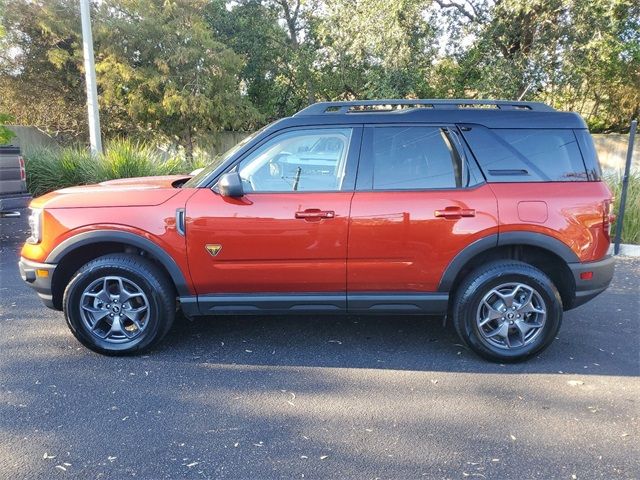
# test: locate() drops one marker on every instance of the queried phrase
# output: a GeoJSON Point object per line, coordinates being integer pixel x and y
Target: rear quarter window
{"type": "Point", "coordinates": [589, 154]}
{"type": "Point", "coordinates": [527, 155]}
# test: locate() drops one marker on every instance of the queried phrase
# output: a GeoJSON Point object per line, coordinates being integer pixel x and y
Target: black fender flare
{"type": "Point", "coordinates": [113, 236]}
{"type": "Point", "coordinates": [533, 239]}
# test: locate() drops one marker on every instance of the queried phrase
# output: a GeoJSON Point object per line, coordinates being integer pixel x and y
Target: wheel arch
{"type": "Point", "coordinates": [546, 253]}
{"type": "Point", "coordinates": [75, 251]}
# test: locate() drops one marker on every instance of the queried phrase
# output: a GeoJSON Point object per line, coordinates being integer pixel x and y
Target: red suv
{"type": "Point", "coordinates": [490, 212]}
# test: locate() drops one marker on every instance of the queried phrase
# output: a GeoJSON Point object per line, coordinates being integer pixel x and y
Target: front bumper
{"type": "Point", "coordinates": [38, 276]}
{"type": "Point", "coordinates": [601, 276]}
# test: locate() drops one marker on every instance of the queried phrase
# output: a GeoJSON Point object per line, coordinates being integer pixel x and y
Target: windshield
{"type": "Point", "coordinates": [220, 159]}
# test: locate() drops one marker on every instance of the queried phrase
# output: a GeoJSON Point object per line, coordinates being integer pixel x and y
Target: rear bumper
{"type": "Point", "coordinates": [38, 276]}
{"type": "Point", "coordinates": [602, 274]}
{"type": "Point", "coordinates": [14, 202]}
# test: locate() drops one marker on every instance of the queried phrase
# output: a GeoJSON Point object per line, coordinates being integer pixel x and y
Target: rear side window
{"type": "Point", "coordinates": [527, 155]}
{"type": "Point", "coordinates": [414, 158]}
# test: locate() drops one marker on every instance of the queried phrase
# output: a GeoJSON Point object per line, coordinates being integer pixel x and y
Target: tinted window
{"type": "Point", "coordinates": [413, 158]}
{"type": "Point", "coordinates": [589, 154]}
{"type": "Point", "coordinates": [301, 160]}
{"type": "Point", "coordinates": [527, 155]}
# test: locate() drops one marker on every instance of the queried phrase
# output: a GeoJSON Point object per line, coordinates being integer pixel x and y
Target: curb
{"type": "Point", "coordinates": [627, 250]}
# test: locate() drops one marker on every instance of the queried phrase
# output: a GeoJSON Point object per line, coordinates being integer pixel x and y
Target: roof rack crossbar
{"type": "Point", "coordinates": [327, 108]}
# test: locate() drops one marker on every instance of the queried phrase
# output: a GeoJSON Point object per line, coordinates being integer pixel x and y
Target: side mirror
{"type": "Point", "coordinates": [230, 185]}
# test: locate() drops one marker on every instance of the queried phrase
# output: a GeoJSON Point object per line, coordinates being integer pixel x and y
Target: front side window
{"type": "Point", "coordinates": [414, 158]}
{"type": "Point", "coordinates": [310, 160]}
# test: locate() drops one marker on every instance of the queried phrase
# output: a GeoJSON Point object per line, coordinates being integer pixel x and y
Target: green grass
{"type": "Point", "coordinates": [50, 169]}
{"type": "Point", "coordinates": [631, 226]}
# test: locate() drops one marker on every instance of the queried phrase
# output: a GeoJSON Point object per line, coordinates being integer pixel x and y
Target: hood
{"type": "Point", "coordinates": [126, 192]}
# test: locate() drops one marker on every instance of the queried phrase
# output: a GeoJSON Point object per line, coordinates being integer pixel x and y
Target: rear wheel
{"type": "Point", "coordinates": [119, 304]}
{"type": "Point", "coordinates": [507, 311]}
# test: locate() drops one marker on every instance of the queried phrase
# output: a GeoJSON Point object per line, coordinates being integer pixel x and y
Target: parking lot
{"type": "Point", "coordinates": [317, 397]}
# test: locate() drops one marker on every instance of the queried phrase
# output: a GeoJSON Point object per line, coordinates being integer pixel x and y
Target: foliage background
{"type": "Point", "coordinates": [175, 70]}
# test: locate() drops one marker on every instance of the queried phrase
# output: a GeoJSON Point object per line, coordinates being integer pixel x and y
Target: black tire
{"type": "Point", "coordinates": [481, 282]}
{"type": "Point", "coordinates": [159, 298]}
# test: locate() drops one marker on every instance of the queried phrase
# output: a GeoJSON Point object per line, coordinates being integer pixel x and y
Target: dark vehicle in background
{"type": "Point", "coordinates": [13, 180]}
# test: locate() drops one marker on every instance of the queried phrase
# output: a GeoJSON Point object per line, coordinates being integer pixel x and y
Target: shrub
{"type": "Point", "coordinates": [126, 159]}
{"type": "Point", "coordinates": [50, 169]}
{"type": "Point", "coordinates": [631, 226]}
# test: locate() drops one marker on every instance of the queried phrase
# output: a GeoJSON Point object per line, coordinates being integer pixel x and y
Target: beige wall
{"type": "Point", "coordinates": [30, 137]}
{"type": "Point", "coordinates": [612, 151]}
{"type": "Point", "coordinates": [217, 143]}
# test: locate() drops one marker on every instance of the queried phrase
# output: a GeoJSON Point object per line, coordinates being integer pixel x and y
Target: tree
{"type": "Point", "coordinates": [575, 54]}
{"type": "Point", "coordinates": [250, 28]}
{"type": "Point", "coordinates": [160, 63]}
{"type": "Point", "coordinates": [41, 81]}
{"type": "Point", "coordinates": [376, 49]}
{"type": "Point", "coordinates": [179, 69]}
{"type": "Point", "coordinates": [5, 134]}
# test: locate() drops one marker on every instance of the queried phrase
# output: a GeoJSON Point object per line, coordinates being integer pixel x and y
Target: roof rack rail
{"type": "Point", "coordinates": [387, 105]}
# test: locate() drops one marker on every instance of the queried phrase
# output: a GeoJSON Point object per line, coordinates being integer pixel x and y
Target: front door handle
{"type": "Point", "coordinates": [315, 214]}
{"type": "Point", "coordinates": [455, 212]}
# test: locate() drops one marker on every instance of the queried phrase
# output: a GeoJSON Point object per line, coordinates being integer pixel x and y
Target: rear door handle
{"type": "Point", "coordinates": [315, 214]}
{"type": "Point", "coordinates": [455, 212]}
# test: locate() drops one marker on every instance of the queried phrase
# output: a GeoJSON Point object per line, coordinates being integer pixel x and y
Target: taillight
{"type": "Point", "coordinates": [607, 217]}
{"type": "Point", "coordinates": [23, 171]}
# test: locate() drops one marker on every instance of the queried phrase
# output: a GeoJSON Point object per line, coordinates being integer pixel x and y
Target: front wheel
{"type": "Point", "coordinates": [507, 311]}
{"type": "Point", "coordinates": [119, 304]}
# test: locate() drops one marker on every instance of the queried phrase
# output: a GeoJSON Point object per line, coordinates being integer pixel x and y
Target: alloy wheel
{"type": "Point", "coordinates": [511, 315]}
{"type": "Point", "coordinates": [114, 309]}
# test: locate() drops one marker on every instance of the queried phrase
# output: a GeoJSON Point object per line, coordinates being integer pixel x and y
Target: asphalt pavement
{"type": "Point", "coordinates": [317, 397]}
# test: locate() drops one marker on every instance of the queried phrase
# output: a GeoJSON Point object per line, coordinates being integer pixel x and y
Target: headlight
{"type": "Point", "coordinates": [35, 223]}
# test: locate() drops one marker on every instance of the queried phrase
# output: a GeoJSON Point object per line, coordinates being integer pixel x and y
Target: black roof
{"type": "Point", "coordinates": [490, 113]}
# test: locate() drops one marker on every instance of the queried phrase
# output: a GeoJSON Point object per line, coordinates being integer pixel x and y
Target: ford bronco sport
{"type": "Point", "coordinates": [490, 212]}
